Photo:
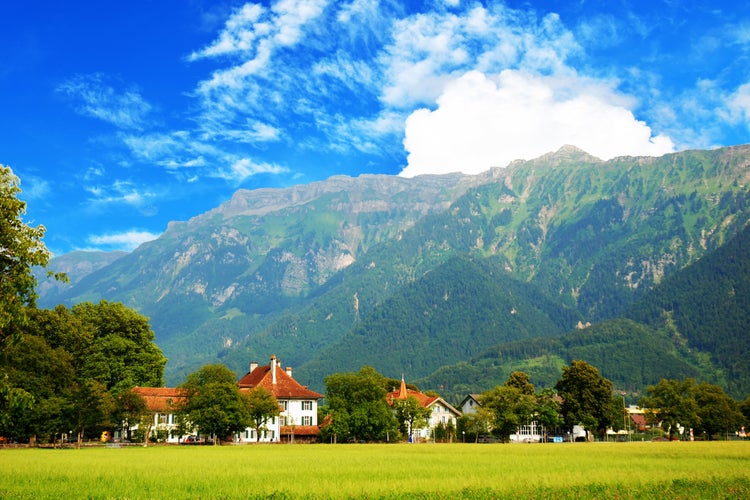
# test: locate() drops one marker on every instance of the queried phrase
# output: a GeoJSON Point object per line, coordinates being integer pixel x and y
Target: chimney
{"type": "Point", "coordinates": [273, 368]}
{"type": "Point", "coordinates": [253, 366]}
{"type": "Point", "coordinates": [289, 370]}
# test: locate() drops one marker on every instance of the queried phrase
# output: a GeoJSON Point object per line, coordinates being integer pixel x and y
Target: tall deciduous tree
{"type": "Point", "coordinates": [213, 402]}
{"type": "Point", "coordinates": [122, 353]}
{"type": "Point", "coordinates": [358, 407]}
{"type": "Point", "coordinates": [21, 249]}
{"type": "Point", "coordinates": [510, 408]}
{"type": "Point", "coordinates": [672, 402]}
{"type": "Point", "coordinates": [262, 405]}
{"type": "Point", "coordinates": [586, 397]}
{"type": "Point", "coordinates": [521, 381]}
{"type": "Point", "coordinates": [718, 413]}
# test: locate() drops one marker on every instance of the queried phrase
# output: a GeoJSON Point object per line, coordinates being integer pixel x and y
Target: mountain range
{"type": "Point", "coordinates": [453, 280]}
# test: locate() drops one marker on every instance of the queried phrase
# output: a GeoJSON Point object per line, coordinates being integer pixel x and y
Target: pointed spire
{"type": "Point", "coordinates": [402, 394]}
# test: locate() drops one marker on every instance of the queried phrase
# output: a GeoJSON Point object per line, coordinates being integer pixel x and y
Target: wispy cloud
{"type": "Point", "coordinates": [120, 192]}
{"type": "Point", "coordinates": [94, 96]}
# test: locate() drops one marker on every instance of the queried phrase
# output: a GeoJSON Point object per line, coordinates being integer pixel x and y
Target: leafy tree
{"type": "Point", "coordinates": [586, 397]}
{"type": "Point", "coordinates": [14, 402]}
{"type": "Point", "coordinates": [547, 409]}
{"type": "Point", "coordinates": [718, 413]}
{"type": "Point", "coordinates": [745, 410]}
{"type": "Point", "coordinates": [410, 414]}
{"type": "Point", "coordinates": [358, 407]}
{"type": "Point", "coordinates": [509, 408]}
{"type": "Point", "coordinates": [672, 402]}
{"type": "Point", "coordinates": [213, 402]}
{"type": "Point", "coordinates": [122, 352]}
{"type": "Point", "coordinates": [262, 405]}
{"type": "Point", "coordinates": [473, 425]}
{"type": "Point", "coordinates": [47, 375]}
{"type": "Point", "coordinates": [130, 409]}
{"type": "Point", "coordinates": [92, 410]}
{"type": "Point", "coordinates": [21, 249]}
{"type": "Point", "coordinates": [520, 381]}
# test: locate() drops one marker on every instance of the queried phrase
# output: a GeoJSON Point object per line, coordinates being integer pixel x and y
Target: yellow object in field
{"type": "Point", "coordinates": [105, 436]}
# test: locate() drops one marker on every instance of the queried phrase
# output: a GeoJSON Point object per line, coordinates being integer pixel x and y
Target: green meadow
{"type": "Point", "coordinates": [569, 470]}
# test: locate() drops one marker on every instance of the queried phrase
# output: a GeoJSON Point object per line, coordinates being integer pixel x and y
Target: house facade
{"type": "Point", "coordinates": [441, 412]}
{"type": "Point", "coordinates": [296, 422]}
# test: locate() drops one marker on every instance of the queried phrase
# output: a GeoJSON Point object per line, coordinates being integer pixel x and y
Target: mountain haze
{"type": "Point", "coordinates": [308, 272]}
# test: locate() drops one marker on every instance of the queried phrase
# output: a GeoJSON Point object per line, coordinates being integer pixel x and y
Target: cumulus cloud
{"type": "Point", "coordinates": [127, 240]}
{"type": "Point", "coordinates": [483, 121]}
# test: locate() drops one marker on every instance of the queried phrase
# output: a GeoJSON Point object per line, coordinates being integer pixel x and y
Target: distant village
{"type": "Point", "coordinates": [432, 418]}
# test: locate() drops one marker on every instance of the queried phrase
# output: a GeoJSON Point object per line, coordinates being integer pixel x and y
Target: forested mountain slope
{"type": "Point", "coordinates": [296, 270]}
{"type": "Point", "coordinates": [695, 323]}
{"type": "Point", "coordinates": [707, 307]}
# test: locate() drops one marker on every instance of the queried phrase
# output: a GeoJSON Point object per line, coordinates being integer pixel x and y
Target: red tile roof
{"type": "Point", "coordinates": [284, 388]}
{"type": "Point", "coordinates": [161, 399]}
{"type": "Point", "coordinates": [424, 400]}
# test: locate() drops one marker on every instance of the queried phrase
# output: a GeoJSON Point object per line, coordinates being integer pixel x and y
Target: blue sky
{"type": "Point", "coordinates": [119, 117]}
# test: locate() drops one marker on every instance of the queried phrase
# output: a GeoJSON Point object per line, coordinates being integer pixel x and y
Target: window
{"type": "Point", "coordinates": [284, 405]}
{"type": "Point", "coordinates": [307, 405]}
{"type": "Point", "coordinates": [307, 421]}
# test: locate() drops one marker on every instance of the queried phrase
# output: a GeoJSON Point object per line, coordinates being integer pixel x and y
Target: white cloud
{"type": "Point", "coordinates": [482, 121]}
{"type": "Point", "coordinates": [128, 240]}
{"type": "Point", "coordinates": [94, 97]}
{"type": "Point", "coordinates": [252, 34]}
{"type": "Point", "coordinates": [430, 50]}
{"type": "Point", "coordinates": [242, 168]}
{"type": "Point", "coordinates": [739, 105]}
{"type": "Point", "coordinates": [120, 192]}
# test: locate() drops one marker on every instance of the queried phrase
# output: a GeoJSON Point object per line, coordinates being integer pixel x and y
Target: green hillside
{"type": "Point", "coordinates": [303, 271]}
{"type": "Point", "coordinates": [452, 312]}
{"type": "Point", "coordinates": [707, 307]}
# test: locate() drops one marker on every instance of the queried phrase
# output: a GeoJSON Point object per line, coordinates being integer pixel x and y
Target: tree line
{"type": "Point", "coordinates": [69, 370]}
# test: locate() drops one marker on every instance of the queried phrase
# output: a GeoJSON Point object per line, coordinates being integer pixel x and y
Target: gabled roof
{"type": "Point", "coordinates": [161, 399]}
{"type": "Point", "coordinates": [282, 385]}
{"type": "Point", "coordinates": [475, 397]}
{"type": "Point", "coordinates": [424, 400]}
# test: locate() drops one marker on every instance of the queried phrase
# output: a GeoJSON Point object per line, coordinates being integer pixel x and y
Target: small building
{"type": "Point", "coordinates": [298, 407]}
{"type": "Point", "coordinates": [441, 411]}
{"type": "Point", "coordinates": [163, 404]}
{"type": "Point", "coordinates": [470, 404]}
{"type": "Point", "coordinates": [298, 420]}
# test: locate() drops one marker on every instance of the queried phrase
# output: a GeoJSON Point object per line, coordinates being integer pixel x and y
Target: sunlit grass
{"type": "Point", "coordinates": [601, 470]}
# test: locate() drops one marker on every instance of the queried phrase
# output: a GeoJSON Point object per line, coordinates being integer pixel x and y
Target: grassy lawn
{"type": "Point", "coordinates": [595, 470]}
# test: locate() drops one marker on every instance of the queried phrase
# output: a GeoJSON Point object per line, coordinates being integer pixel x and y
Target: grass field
{"type": "Point", "coordinates": [594, 470]}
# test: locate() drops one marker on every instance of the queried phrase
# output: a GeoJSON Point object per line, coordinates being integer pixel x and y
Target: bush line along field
{"type": "Point", "coordinates": [569, 470]}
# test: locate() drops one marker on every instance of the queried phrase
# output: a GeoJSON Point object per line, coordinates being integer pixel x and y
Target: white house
{"type": "Point", "coordinates": [441, 411]}
{"type": "Point", "coordinates": [298, 406]}
{"type": "Point", "coordinates": [298, 420]}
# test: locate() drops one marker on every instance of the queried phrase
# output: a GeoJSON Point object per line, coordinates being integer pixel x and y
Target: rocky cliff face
{"type": "Point", "coordinates": [283, 268]}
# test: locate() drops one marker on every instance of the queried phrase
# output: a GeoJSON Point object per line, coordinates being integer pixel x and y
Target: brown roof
{"type": "Point", "coordinates": [424, 400]}
{"type": "Point", "coordinates": [161, 399]}
{"type": "Point", "coordinates": [284, 388]}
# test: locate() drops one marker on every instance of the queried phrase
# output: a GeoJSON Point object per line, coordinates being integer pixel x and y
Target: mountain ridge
{"type": "Point", "coordinates": [588, 234]}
